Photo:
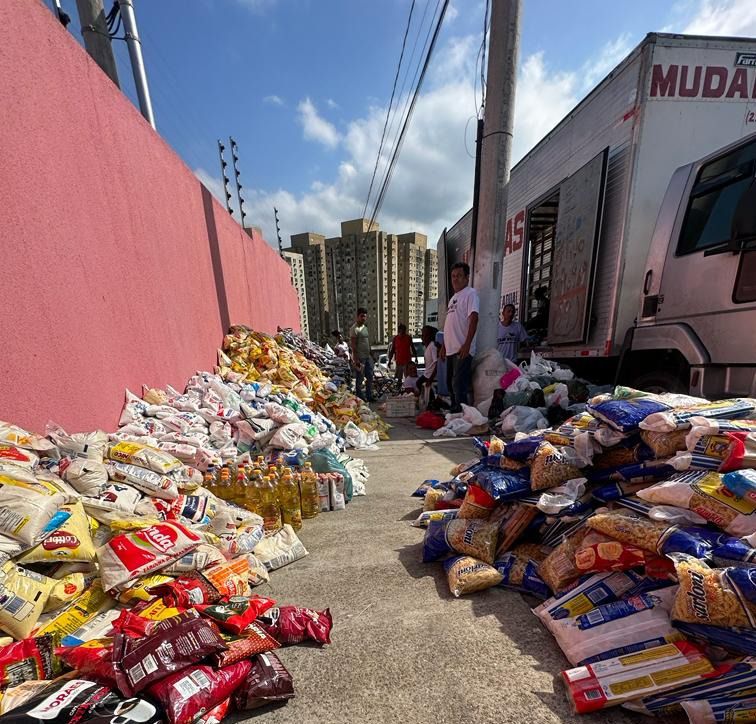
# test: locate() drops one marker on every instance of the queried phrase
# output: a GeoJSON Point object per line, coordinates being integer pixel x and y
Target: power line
{"type": "Point", "coordinates": [405, 125]}
{"type": "Point", "coordinates": [391, 103]}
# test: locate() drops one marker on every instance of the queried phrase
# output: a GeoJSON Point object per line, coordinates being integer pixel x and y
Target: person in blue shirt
{"type": "Point", "coordinates": [511, 333]}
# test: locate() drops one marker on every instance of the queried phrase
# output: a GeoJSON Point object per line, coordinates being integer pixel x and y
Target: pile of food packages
{"type": "Point", "coordinates": [303, 369]}
{"type": "Point", "coordinates": [128, 560]}
{"type": "Point", "coordinates": [634, 524]}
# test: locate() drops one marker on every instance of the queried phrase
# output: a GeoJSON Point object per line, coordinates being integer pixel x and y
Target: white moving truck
{"type": "Point", "coordinates": [579, 261]}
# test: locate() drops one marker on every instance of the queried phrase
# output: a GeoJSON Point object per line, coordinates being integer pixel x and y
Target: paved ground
{"type": "Point", "coordinates": [405, 650]}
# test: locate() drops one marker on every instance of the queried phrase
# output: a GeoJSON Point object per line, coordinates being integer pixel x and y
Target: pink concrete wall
{"type": "Point", "coordinates": [117, 266]}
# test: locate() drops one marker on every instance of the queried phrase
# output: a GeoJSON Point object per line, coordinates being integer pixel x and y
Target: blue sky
{"type": "Point", "coordinates": [303, 86]}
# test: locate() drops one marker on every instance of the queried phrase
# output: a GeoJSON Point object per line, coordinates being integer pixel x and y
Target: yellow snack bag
{"type": "Point", "coordinates": [66, 590]}
{"type": "Point", "coordinates": [134, 453]}
{"type": "Point", "coordinates": [71, 542]}
{"type": "Point", "coordinates": [80, 611]}
{"type": "Point", "coordinates": [157, 611]}
{"type": "Point", "coordinates": [140, 590]}
{"type": "Point", "coordinates": [23, 594]}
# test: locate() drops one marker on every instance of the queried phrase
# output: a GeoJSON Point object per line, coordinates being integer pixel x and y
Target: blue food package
{"type": "Point", "coordinates": [520, 573]}
{"type": "Point", "coordinates": [523, 450]}
{"type": "Point", "coordinates": [474, 537]}
{"type": "Point", "coordinates": [736, 640]}
{"type": "Point", "coordinates": [423, 489]}
{"type": "Point", "coordinates": [609, 492]}
{"type": "Point", "coordinates": [480, 446]}
{"type": "Point", "coordinates": [650, 471]}
{"type": "Point", "coordinates": [615, 610]}
{"type": "Point", "coordinates": [724, 550]}
{"type": "Point", "coordinates": [742, 483]}
{"type": "Point", "coordinates": [503, 484]}
{"type": "Point", "coordinates": [626, 415]}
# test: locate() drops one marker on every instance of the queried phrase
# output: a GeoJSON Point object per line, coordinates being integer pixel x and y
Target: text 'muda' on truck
{"type": "Point", "coordinates": [631, 227]}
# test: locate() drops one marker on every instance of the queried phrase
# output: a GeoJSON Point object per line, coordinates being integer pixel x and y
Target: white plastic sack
{"type": "Point", "coordinates": [280, 414]}
{"type": "Point", "coordinates": [561, 497]}
{"type": "Point", "coordinates": [473, 416]}
{"type": "Point", "coordinates": [92, 445]}
{"type": "Point", "coordinates": [358, 438]}
{"type": "Point", "coordinates": [280, 549]}
{"type": "Point", "coordinates": [288, 437]}
{"type": "Point", "coordinates": [563, 374]}
{"type": "Point", "coordinates": [522, 419]}
{"type": "Point", "coordinates": [537, 366]}
{"type": "Point", "coordinates": [560, 396]}
{"type": "Point", "coordinates": [87, 477]}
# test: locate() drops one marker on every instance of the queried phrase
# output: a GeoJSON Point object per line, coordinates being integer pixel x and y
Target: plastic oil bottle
{"type": "Point", "coordinates": [308, 485]}
{"type": "Point", "coordinates": [239, 483]}
{"type": "Point", "coordinates": [209, 481]}
{"type": "Point", "coordinates": [291, 510]}
{"type": "Point", "coordinates": [253, 492]}
{"type": "Point", "coordinates": [225, 486]}
{"type": "Point", "coordinates": [269, 508]}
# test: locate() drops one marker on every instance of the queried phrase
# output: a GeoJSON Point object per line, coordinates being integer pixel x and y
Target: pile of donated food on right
{"type": "Point", "coordinates": [635, 524]}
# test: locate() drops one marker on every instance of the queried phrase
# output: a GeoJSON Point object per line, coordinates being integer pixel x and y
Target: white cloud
{"type": "Point", "coordinates": [317, 128]}
{"type": "Point", "coordinates": [332, 103]}
{"type": "Point", "coordinates": [451, 13]}
{"type": "Point", "coordinates": [257, 6]}
{"type": "Point", "coordinates": [608, 58]}
{"type": "Point", "coordinates": [718, 17]}
{"type": "Point", "coordinates": [274, 100]}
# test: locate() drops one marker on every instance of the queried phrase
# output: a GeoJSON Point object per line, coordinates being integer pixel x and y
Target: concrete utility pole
{"type": "Point", "coordinates": [137, 62]}
{"type": "Point", "coordinates": [496, 151]}
{"type": "Point", "coordinates": [94, 30]}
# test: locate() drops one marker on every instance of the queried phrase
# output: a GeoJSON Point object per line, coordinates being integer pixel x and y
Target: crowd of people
{"type": "Point", "coordinates": [449, 354]}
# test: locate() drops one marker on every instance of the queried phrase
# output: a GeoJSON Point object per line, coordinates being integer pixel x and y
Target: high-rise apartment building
{"type": "Point", "coordinates": [431, 274]}
{"type": "Point", "coordinates": [365, 267]}
{"type": "Point", "coordinates": [296, 264]}
{"type": "Point", "coordinates": [312, 248]}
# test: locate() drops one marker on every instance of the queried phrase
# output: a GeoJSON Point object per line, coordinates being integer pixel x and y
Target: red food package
{"type": "Point", "coordinates": [237, 612]}
{"type": "Point", "coordinates": [256, 640]}
{"type": "Point", "coordinates": [660, 567]}
{"type": "Point", "coordinates": [267, 682]}
{"type": "Point", "coordinates": [187, 591]}
{"type": "Point", "coordinates": [93, 659]}
{"type": "Point", "coordinates": [599, 553]}
{"type": "Point", "coordinates": [293, 625]}
{"type": "Point", "coordinates": [477, 503]}
{"type": "Point", "coordinates": [172, 645]}
{"type": "Point", "coordinates": [187, 694]}
{"type": "Point", "coordinates": [742, 452]}
{"type": "Point", "coordinates": [217, 714]}
{"type": "Point", "coordinates": [27, 660]}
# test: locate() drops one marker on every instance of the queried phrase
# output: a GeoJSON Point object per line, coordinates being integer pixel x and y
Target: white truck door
{"type": "Point", "coordinates": [581, 202]}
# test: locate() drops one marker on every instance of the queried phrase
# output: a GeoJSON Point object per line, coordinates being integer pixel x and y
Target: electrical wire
{"type": "Point", "coordinates": [391, 103]}
{"type": "Point", "coordinates": [408, 117]}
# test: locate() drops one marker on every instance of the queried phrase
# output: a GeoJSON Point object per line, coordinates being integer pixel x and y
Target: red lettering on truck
{"type": "Point", "coordinates": [515, 233]}
{"type": "Point", "coordinates": [698, 81]}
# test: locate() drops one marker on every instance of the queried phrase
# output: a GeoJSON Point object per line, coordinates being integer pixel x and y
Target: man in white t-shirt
{"type": "Point", "coordinates": [459, 335]}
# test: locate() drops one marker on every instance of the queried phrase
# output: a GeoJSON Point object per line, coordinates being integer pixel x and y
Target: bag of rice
{"type": "Point", "coordinates": [26, 514]}
{"type": "Point", "coordinates": [468, 575]}
{"type": "Point", "coordinates": [552, 466]}
{"type": "Point", "coordinates": [703, 493]}
{"type": "Point", "coordinates": [90, 445]}
{"type": "Point", "coordinates": [72, 541]}
{"type": "Point", "coordinates": [476, 538]}
{"type": "Point", "coordinates": [133, 453]}
{"type": "Point", "coordinates": [18, 456]}
{"type": "Point", "coordinates": [23, 595]}
{"type": "Point", "coordinates": [477, 503]}
{"type": "Point", "coordinates": [519, 569]}
{"type": "Point", "coordinates": [626, 415]}
{"type": "Point", "coordinates": [14, 435]}
{"type": "Point", "coordinates": [114, 501]}
{"type": "Point", "coordinates": [680, 418]}
{"type": "Point", "coordinates": [87, 477]}
{"type": "Point", "coordinates": [651, 535]}
{"type": "Point", "coordinates": [723, 597]}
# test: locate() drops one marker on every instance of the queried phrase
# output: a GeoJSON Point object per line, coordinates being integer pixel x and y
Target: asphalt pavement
{"type": "Point", "coordinates": [404, 649]}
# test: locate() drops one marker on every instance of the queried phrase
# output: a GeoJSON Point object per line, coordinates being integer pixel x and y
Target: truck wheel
{"type": "Point", "coordinates": [659, 382]}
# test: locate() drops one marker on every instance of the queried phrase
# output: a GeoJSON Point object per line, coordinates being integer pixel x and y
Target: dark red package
{"type": "Point", "coordinates": [660, 567]}
{"type": "Point", "coordinates": [189, 590]}
{"type": "Point", "coordinates": [187, 694]}
{"type": "Point", "coordinates": [90, 659]}
{"type": "Point", "coordinates": [27, 660]}
{"type": "Point", "coordinates": [266, 683]}
{"type": "Point", "coordinates": [256, 640]}
{"type": "Point", "coordinates": [138, 626]}
{"type": "Point", "coordinates": [174, 644]}
{"type": "Point", "coordinates": [76, 701]}
{"type": "Point", "coordinates": [293, 625]}
{"type": "Point", "coordinates": [236, 613]}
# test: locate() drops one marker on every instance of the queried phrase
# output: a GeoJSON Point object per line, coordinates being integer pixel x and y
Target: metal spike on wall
{"type": "Point", "coordinates": [278, 232]}
{"type": "Point", "coordinates": [235, 164]}
{"type": "Point", "coordinates": [224, 165]}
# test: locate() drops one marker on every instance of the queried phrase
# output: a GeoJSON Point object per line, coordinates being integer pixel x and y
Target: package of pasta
{"type": "Point", "coordinates": [665, 444]}
{"type": "Point", "coordinates": [134, 453]}
{"type": "Point", "coordinates": [552, 466]}
{"type": "Point", "coordinates": [732, 708]}
{"type": "Point", "coordinates": [469, 575]}
{"type": "Point", "coordinates": [477, 503]}
{"type": "Point", "coordinates": [628, 452]}
{"type": "Point", "coordinates": [426, 517]}
{"type": "Point", "coordinates": [72, 541]}
{"type": "Point", "coordinates": [680, 418]}
{"type": "Point", "coordinates": [707, 427]}
{"type": "Point", "coordinates": [148, 481]}
{"type": "Point", "coordinates": [643, 473]}
{"type": "Point", "coordinates": [626, 415]}
{"type": "Point", "coordinates": [502, 485]}
{"type": "Point", "coordinates": [723, 597]}
{"type": "Point", "coordinates": [514, 521]}
{"type": "Point", "coordinates": [432, 498]}
{"type": "Point", "coordinates": [558, 569]}
{"type": "Point", "coordinates": [519, 569]}
{"type": "Point", "coordinates": [655, 536]}
{"type": "Point", "coordinates": [598, 552]}
{"type": "Point", "coordinates": [476, 538]}
{"type": "Point", "coordinates": [704, 493]}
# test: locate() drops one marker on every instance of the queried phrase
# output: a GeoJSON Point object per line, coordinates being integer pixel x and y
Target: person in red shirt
{"type": "Point", "coordinates": [403, 350]}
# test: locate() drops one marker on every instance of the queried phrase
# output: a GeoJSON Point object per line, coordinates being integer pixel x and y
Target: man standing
{"type": "Point", "coordinates": [362, 359]}
{"type": "Point", "coordinates": [403, 350]}
{"type": "Point", "coordinates": [459, 335]}
{"type": "Point", "coordinates": [511, 333]}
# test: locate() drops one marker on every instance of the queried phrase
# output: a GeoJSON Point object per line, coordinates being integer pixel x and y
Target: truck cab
{"type": "Point", "coordinates": [696, 326]}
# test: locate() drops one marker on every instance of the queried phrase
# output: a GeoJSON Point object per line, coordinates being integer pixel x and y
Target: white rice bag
{"type": "Point", "coordinates": [148, 481]}
{"type": "Point", "coordinates": [87, 477]}
{"type": "Point", "coordinates": [280, 549]}
{"type": "Point", "coordinates": [92, 445]}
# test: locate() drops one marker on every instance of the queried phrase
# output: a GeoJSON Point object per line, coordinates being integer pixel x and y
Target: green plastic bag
{"type": "Point", "coordinates": [324, 461]}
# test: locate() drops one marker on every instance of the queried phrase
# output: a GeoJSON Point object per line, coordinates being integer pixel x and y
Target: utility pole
{"type": "Point", "coordinates": [137, 62]}
{"type": "Point", "coordinates": [496, 149]}
{"type": "Point", "coordinates": [278, 233]}
{"type": "Point", "coordinates": [235, 164]}
{"type": "Point", "coordinates": [94, 30]}
{"type": "Point", "coordinates": [224, 164]}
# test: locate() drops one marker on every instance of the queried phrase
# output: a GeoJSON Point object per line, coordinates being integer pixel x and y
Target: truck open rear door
{"type": "Point", "coordinates": [581, 203]}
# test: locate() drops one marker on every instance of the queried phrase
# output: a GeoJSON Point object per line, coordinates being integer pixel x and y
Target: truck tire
{"type": "Point", "coordinates": [660, 381]}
